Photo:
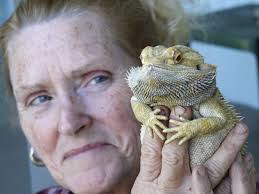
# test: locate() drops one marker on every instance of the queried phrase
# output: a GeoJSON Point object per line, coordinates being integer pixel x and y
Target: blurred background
{"type": "Point", "coordinates": [225, 32]}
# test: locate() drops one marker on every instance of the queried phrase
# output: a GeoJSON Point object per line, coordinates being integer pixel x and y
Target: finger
{"type": "Point", "coordinates": [243, 175]}
{"type": "Point", "coordinates": [161, 125]}
{"type": "Point", "coordinates": [237, 173]}
{"type": "Point", "coordinates": [249, 162]}
{"type": "Point", "coordinates": [220, 162]}
{"type": "Point", "coordinates": [200, 181]}
{"type": "Point", "coordinates": [224, 186]}
{"type": "Point", "coordinates": [181, 112]}
{"type": "Point", "coordinates": [151, 151]}
{"type": "Point", "coordinates": [183, 140]}
{"type": "Point", "coordinates": [158, 133]}
{"type": "Point", "coordinates": [175, 161]}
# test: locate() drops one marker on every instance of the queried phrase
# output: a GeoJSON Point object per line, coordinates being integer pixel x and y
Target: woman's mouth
{"type": "Point", "coordinates": [85, 148]}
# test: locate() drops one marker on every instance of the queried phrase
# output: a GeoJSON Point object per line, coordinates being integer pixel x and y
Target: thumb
{"type": "Point", "coordinates": [200, 181]}
{"type": "Point", "coordinates": [151, 153]}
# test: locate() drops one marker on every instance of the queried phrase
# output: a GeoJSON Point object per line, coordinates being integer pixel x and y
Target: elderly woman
{"type": "Point", "coordinates": [66, 62]}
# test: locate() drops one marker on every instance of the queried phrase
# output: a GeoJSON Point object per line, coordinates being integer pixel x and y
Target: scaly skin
{"type": "Point", "coordinates": [178, 76]}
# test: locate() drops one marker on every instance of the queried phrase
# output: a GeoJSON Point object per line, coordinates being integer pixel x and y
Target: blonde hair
{"type": "Point", "coordinates": [135, 23]}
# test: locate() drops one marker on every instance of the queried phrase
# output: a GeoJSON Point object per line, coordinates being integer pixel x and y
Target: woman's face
{"type": "Point", "coordinates": [73, 102]}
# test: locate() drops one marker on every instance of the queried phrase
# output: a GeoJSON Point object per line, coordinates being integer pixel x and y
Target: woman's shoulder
{"type": "Point", "coordinates": [54, 190]}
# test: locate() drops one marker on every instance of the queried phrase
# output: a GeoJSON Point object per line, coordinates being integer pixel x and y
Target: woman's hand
{"type": "Point", "coordinates": [164, 169]}
{"type": "Point", "coordinates": [241, 180]}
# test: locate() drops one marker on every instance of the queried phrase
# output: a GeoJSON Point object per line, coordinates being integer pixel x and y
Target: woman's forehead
{"type": "Point", "coordinates": [60, 30]}
{"type": "Point", "coordinates": [71, 41]}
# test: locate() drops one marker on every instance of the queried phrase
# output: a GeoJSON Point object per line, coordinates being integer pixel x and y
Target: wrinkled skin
{"type": "Point", "coordinates": [69, 84]}
{"type": "Point", "coordinates": [242, 179]}
{"type": "Point", "coordinates": [165, 169]}
{"type": "Point", "coordinates": [68, 81]}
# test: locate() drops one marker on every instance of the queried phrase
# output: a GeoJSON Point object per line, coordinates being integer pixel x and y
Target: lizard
{"type": "Point", "coordinates": [178, 76]}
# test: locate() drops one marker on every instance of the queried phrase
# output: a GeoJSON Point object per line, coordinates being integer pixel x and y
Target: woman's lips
{"type": "Point", "coordinates": [82, 149]}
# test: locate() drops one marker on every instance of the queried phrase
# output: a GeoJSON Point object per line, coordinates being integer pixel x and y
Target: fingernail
{"type": "Point", "coordinates": [163, 110]}
{"type": "Point", "coordinates": [241, 128]}
{"type": "Point", "coordinates": [179, 110]}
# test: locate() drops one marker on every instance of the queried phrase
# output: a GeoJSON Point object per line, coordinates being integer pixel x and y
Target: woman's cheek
{"type": "Point", "coordinates": [41, 130]}
{"type": "Point", "coordinates": [119, 116]}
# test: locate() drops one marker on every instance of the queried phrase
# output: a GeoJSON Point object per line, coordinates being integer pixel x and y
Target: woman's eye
{"type": "Point", "coordinates": [98, 79]}
{"type": "Point", "coordinates": [40, 100]}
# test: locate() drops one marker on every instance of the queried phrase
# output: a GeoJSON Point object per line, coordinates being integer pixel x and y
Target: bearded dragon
{"type": "Point", "coordinates": [178, 76]}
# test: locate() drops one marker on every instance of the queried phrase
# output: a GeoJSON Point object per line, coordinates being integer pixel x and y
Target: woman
{"type": "Point", "coordinates": [66, 61]}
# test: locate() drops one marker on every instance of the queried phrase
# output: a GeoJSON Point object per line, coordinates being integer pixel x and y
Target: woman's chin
{"type": "Point", "coordinates": [97, 179]}
{"type": "Point", "coordinates": [94, 172]}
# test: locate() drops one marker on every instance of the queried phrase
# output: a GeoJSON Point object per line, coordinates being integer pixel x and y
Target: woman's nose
{"type": "Point", "coordinates": [73, 117]}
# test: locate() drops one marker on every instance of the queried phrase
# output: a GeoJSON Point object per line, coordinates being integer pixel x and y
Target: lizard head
{"type": "Point", "coordinates": [152, 55]}
{"type": "Point", "coordinates": [175, 56]}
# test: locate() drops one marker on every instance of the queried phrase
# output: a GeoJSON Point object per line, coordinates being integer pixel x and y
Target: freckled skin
{"type": "Point", "coordinates": [80, 111]}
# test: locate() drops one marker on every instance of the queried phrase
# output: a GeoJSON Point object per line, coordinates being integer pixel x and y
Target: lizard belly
{"type": "Point", "coordinates": [202, 148]}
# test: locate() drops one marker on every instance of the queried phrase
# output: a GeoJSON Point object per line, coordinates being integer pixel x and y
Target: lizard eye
{"type": "Point", "coordinates": [178, 58]}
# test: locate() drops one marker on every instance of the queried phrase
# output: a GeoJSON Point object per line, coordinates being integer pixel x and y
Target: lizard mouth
{"type": "Point", "coordinates": [173, 68]}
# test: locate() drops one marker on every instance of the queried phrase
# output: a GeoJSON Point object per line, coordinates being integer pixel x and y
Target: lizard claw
{"type": "Point", "coordinates": [183, 133]}
{"type": "Point", "coordinates": [175, 122]}
{"type": "Point", "coordinates": [158, 133]}
{"type": "Point", "coordinates": [179, 135]}
{"type": "Point", "coordinates": [184, 140]}
{"type": "Point", "coordinates": [153, 124]}
{"type": "Point", "coordinates": [174, 129]}
{"type": "Point", "coordinates": [169, 130]}
{"type": "Point", "coordinates": [156, 111]}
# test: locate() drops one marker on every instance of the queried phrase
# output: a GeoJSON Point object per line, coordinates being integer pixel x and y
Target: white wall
{"type": "Point", "coordinates": [237, 75]}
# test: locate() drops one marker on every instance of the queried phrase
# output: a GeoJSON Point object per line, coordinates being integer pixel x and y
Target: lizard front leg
{"type": "Point", "coordinates": [197, 127]}
{"type": "Point", "coordinates": [215, 115]}
{"type": "Point", "coordinates": [149, 118]}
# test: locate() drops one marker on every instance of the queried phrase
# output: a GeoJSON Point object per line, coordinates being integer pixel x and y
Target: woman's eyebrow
{"type": "Point", "coordinates": [24, 89]}
{"type": "Point", "coordinates": [77, 72]}
{"type": "Point", "coordinates": [84, 69]}
{"type": "Point", "coordinates": [39, 85]}
{"type": "Point", "coordinates": [30, 87]}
